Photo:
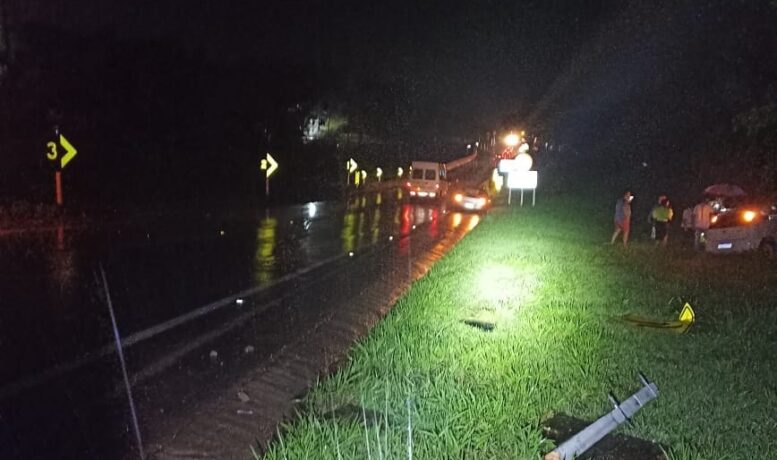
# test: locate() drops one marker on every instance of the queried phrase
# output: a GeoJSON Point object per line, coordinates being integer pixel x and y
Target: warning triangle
{"type": "Point", "coordinates": [687, 314]}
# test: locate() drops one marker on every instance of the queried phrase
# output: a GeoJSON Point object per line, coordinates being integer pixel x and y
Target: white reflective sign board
{"type": "Point", "coordinates": [507, 165]}
{"type": "Point", "coordinates": [526, 180]}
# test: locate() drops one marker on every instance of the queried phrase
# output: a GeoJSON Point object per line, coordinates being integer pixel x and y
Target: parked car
{"type": "Point", "coordinates": [745, 228]}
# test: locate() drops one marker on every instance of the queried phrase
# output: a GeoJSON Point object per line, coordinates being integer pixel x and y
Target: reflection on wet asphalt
{"type": "Point", "coordinates": [171, 284]}
{"type": "Point", "coordinates": [291, 344]}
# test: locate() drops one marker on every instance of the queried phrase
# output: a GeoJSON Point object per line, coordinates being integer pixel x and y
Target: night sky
{"type": "Point", "coordinates": [470, 61]}
{"type": "Point", "coordinates": [627, 82]}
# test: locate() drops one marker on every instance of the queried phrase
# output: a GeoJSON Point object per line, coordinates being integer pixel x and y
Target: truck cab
{"type": "Point", "coordinates": [427, 179]}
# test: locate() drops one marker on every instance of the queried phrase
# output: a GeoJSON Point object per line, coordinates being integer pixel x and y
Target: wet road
{"type": "Point", "coordinates": [182, 290]}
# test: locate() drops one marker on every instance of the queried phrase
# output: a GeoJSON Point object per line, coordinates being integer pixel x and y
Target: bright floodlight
{"type": "Point", "coordinates": [505, 288]}
{"type": "Point", "coordinates": [512, 139]}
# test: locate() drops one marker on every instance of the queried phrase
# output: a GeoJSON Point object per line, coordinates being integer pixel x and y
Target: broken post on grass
{"type": "Point", "coordinates": [681, 325]}
{"type": "Point", "coordinates": [593, 433]}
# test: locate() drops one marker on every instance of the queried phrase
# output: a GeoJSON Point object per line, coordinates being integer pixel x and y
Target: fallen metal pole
{"type": "Point", "coordinates": [593, 433]}
{"type": "Point", "coordinates": [120, 352]}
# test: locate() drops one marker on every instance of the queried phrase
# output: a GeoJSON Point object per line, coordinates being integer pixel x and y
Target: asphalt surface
{"type": "Point", "coordinates": [205, 307]}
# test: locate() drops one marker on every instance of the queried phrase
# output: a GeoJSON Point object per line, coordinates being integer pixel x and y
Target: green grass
{"type": "Point", "coordinates": [544, 276]}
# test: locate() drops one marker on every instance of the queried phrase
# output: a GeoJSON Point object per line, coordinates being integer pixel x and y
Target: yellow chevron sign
{"type": "Point", "coordinates": [52, 152]}
{"type": "Point", "coordinates": [351, 166]}
{"type": "Point", "coordinates": [269, 165]}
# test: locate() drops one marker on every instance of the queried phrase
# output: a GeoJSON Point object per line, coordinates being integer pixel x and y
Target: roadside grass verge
{"type": "Point", "coordinates": [426, 382]}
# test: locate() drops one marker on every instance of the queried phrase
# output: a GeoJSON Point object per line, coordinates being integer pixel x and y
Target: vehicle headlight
{"type": "Point", "coordinates": [458, 197]}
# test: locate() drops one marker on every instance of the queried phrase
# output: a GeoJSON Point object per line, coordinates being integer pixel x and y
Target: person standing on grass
{"type": "Point", "coordinates": [652, 222]}
{"type": "Point", "coordinates": [702, 217]}
{"type": "Point", "coordinates": [662, 215]}
{"type": "Point", "coordinates": [687, 222]}
{"type": "Point", "coordinates": [623, 218]}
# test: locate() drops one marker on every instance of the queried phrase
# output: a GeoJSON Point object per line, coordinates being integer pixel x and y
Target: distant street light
{"type": "Point", "coordinates": [512, 139]}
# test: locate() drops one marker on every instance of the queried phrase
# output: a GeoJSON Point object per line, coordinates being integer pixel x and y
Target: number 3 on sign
{"type": "Point", "coordinates": [51, 154]}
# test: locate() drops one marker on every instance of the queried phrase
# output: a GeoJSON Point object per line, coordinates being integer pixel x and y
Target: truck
{"type": "Point", "coordinates": [427, 179]}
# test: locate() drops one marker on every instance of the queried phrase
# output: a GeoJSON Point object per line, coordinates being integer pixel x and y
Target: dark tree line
{"type": "Point", "coordinates": [676, 95]}
{"type": "Point", "coordinates": [686, 88]}
{"type": "Point", "coordinates": [151, 120]}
